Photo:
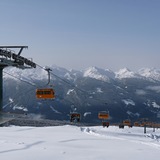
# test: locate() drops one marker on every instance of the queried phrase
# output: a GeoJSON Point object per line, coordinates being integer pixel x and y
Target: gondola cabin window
{"type": "Point", "coordinates": [45, 93]}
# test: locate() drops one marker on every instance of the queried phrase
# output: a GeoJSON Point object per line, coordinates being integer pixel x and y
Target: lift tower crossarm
{"type": "Point", "coordinates": [21, 48]}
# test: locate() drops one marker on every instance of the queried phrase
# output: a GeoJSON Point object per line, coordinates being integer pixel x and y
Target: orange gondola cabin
{"type": "Point", "coordinates": [103, 115]}
{"type": "Point", "coordinates": [127, 122]}
{"type": "Point", "coordinates": [47, 93]}
{"type": "Point", "coordinates": [75, 117]}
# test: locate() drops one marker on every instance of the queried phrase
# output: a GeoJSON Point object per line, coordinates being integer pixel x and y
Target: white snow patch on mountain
{"type": "Point", "coordinates": [154, 88]}
{"type": "Point", "coordinates": [86, 114]}
{"type": "Point", "coordinates": [155, 105]}
{"type": "Point", "coordinates": [68, 76]}
{"type": "Point", "coordinates": [11, 100]}
{"type": "Point", "coordinates": [148, 103]}
{"type": "Point", "coordinates": [140, 92]}
{"type": "Point", "coordinates": [133, 114]}
{"type": "Point", "coordinates": [70, 91]}
{"type": "Point", "coordinates": [128, 102]}
{"type": "Point", "coordinates": [99, 90]}
{"type": "Point", "coordinates": [76, 73]}
{"type": "Point", "coordinates": [20, 108]}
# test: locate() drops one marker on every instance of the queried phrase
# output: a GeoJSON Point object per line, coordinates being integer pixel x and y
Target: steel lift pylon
{"type": "Point", "coordinates": [8, 58]}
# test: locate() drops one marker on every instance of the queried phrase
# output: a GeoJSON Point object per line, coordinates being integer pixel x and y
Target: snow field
{"type": "Point", "coordinates": [71, 142]}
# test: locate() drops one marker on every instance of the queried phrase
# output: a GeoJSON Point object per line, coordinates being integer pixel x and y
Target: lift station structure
{"type": "Point", "coordinates": [8, 57]}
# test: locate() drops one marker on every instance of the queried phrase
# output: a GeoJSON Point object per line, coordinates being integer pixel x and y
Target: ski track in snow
{"type": "Point", "coordinates": [125, 136]}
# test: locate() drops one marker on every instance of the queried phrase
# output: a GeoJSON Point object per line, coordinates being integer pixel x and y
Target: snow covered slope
{"type": "Point", "coordinates": [71, 142]}
{"type": "Point", "coordinates": [133, 94]}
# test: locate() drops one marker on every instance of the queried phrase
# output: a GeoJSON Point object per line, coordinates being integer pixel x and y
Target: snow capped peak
{"type": "Point", "coordinates": [126, 73]}
{"type": "Point", "coordinates": [99, 74]}
{"type": "Point", "coordinates": [93, 72]}
{"type": "Point", "coordinates": [151, 73]}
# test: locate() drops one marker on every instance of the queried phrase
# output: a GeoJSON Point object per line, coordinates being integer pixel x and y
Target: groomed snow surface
{"type": "Point", "coordinates": [80, 143]}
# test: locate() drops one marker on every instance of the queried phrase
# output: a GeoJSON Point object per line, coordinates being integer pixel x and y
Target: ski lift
{"type": "Point", "coordinates": [104, 115]}
{"type": "Point", "coordinates": [46, 93]}
{"type": "Point", "coordinates": [127, 122]}
{"type": "Point", "coordinates": [105, 124]}
{"type": "Point", "coordinates": [75, 117]}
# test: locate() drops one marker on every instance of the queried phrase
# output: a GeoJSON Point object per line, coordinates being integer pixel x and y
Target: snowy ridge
{"type": "Point", "coordinates": [126, 73]}
{"type": "Point", "coordinates": [133, 95]}
{"type": "Point", "coordinates": [150, 73]}
{"type": "Point", "coordinates": [99, 74]}
{"type": "Point", "coordinates": [93, 72]}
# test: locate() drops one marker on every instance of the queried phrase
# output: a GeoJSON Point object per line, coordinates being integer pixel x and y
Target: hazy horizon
{"type": "Point", "coordinates": [78, 34]}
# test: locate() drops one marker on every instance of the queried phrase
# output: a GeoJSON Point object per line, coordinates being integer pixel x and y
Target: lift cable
{"type": "Point", "coordinates": [21, 93]}
{"type": "Point", "coordinates": [72, 85]}
{"type": "Point", "coordinates": [62, 79]}
{"type": "Point", "coordinates": [20, 79]}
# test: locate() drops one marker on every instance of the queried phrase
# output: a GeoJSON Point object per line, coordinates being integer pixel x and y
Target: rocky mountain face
{"type": "Point", "coordinates": [124, 94]}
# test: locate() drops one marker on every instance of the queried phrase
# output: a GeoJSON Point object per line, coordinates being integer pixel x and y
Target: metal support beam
{"type": "Point", "coordinates": [145, 128]}
{"type": "Point", "coordinates": [13, 46]}
{"type": "Point", "coordinates": [20, 51]}
{"type": "Point", "coordinates": [48, 70]}
{"type": "Point", "coordinates": [9, 58]}
{"type": "Point", "coordinates": [21, 48]}
{"type": "Point", "coordinates": [1, 88]}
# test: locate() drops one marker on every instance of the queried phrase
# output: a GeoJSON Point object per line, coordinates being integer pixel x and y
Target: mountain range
{"type": "Point", "coordinates": [124, 94]}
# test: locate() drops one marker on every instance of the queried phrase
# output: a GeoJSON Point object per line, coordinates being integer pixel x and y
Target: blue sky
{"type": "Point", "coordinates": [81, 33]}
